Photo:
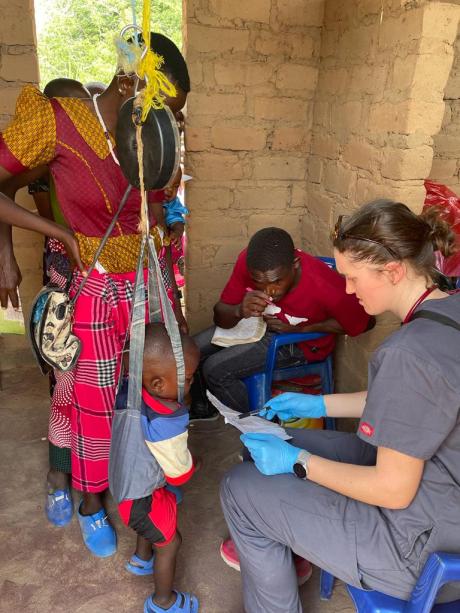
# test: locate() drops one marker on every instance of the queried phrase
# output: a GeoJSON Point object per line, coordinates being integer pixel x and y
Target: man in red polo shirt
{"type": "Point", "coordinates": [272, 271]}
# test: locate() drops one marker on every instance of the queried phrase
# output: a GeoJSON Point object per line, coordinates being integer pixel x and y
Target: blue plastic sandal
{"type": "Point", "coordinates": [59, 507]}
{"type": "Point", "coordinates": [98, 534]}
{"type": "Point", "coordinates": [137, 566]}
{"type": "Point", "coordinates": [185, 603]}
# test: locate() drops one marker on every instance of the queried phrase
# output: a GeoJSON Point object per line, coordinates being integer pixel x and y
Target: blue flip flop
{"type": "Point", "coordinates": [185, 603]}
{"type": "Point", "coordinates": [137, 566]}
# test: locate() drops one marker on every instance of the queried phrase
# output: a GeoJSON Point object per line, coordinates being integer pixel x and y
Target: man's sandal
{"type": "Point", "coordinates": [137, 566]}
{"type": "Point", "coordinates": [185, 603]}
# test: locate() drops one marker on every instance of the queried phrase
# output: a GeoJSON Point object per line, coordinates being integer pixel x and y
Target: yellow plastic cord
{"type": "Point", "coordinates": [158, 85]}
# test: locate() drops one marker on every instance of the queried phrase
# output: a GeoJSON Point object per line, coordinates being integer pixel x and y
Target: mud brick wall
{"type": "Point", "coordinates": [254, 72]}
{"type": "Point", "coordinates": [18, 66]}
{"type": "Point", "coordinates": [383, 71]}
{"type": "Point", "coordinates": [446, 144]}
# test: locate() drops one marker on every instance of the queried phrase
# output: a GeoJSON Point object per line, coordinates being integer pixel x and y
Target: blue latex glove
{"type": "Point", "coordinates": [271, 455]}
{"type": "Point", "coordinates": [289, 405]}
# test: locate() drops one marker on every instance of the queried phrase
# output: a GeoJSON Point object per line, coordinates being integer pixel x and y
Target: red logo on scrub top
{"type": "Point", "coordinates": [366, 428]}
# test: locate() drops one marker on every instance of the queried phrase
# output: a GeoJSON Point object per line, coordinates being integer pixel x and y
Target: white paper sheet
{"type": "Point", "coordinates": [249, 330]}
{"type": "Point", "coordinates": [248, 424]}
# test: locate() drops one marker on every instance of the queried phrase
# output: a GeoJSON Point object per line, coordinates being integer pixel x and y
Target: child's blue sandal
{"type": "Point", "coordinates": [137, 566]}
{"type": "Point", "coordinates": [185, 603]}
{"type": "Point", "coordinates": [59, 507]}
{"type": "Point", "coordinates": [98, 534]}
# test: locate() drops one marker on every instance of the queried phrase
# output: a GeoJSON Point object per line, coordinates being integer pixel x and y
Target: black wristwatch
{"type": "Point", "coordinates": [301, 465]}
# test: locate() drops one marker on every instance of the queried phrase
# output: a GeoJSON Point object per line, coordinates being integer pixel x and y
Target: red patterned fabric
{"type": "Point", "coordinates": [101, 322]}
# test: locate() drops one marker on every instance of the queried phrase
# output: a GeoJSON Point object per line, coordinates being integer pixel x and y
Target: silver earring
{"type": "Point", "coordinates": [120, 91]}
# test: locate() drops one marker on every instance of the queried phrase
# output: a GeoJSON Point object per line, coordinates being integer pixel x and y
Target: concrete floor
{"type": "Point", "coordinates": [44, 569]}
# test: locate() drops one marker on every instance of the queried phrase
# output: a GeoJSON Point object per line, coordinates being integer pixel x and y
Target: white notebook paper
{"type": "Point", "coordinates": [248, 424]}
{"type": "Point", "coordinates": [248, 330]}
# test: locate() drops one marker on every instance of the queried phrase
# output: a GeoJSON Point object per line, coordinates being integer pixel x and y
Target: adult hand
{"type": "Point", "coordinates": [175, 234]}
{"type": "Point", "coordinates": [71, 246]}
{"type": "Point", "coordinates": [276, 325]}
{"type": "Point", "coordinates": [289, 405]}
{"type": "Point", "coordinates": [181, 321]}
{"type": "Point", "coordinates": [10, 279]}
{"type": "Point", "coordinates": [254, 304]}
{"type": "Point", "coordinates": [271, 455]}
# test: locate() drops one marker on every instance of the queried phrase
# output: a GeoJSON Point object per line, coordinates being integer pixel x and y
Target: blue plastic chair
{"type": "Point", "coordinates": [439, 569]}
{"type": "Point", "coordinates": [259, 386]}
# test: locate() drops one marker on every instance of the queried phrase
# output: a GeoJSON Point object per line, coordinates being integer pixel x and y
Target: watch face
{"type": "Point", "coordinates": [300, 471]}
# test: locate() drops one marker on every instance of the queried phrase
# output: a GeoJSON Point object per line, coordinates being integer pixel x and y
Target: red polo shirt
{"type": "Point", "coordinates": [319, 295]}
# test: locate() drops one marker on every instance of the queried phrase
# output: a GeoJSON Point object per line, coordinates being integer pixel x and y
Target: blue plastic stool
{"type": "Point", "coordinates": [440, 568]}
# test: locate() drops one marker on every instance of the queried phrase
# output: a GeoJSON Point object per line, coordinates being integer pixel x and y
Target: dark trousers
{"type": "Point", "coordinates": [222, 368]}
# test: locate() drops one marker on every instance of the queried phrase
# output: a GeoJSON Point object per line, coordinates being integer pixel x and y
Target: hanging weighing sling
{"type": "Point", "coordinates": [133, 472]}
{"type": "Point", "coordinates": [51, 316]}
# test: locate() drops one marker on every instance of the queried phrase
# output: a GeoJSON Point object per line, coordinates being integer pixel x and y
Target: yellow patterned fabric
{"type": "Point", "coordinates": [31, 136]}
{"type": "Point", "coordinates": [87, 125]}
{"type": "Point", "coordinates": [120, 253]}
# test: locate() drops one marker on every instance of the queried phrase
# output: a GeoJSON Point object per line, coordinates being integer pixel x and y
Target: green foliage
{"type": "Point", "coordinates": [76, 40]}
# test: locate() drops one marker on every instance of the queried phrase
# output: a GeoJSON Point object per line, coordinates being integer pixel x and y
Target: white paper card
{"type": "Point", "coordinates": [248, 424]}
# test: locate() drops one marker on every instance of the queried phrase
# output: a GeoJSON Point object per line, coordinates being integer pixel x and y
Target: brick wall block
{"type": "Point", "coordinates": [256, 10]}
{"type": "Point", "coordinates": [333, 81]}
{"type": "Point", "coordinates": [400, 31]}
{"type": "Point", "coordinates": [288, 222]}
{"type": "Point", "coordinates": [304, 46]}
{"type": "Point", "coordinates": [16, 24]}
{"type": "Point", "coordinates": [204, 197]}
{"type": "Point", "coordinates": [280, 108]}
{"type": "Point", "coordinates": [326, 147]}
{"type": "Point", "coordinates": [224, 105]}
{"type": "Point", "coordinates": [370, 80]}
{"type": "Point", "coordinates": [346, 117]}
{"type": "Point", "coordinates": [424, 116]}
{"type": "Point", "coordinates": [315, 169]}
{"type": "Point", "coordinates": [443, 170]}
{"type": "Point", "coordinates": [361, 154]}
{"type": "Point", "coordinates": [19, 67]}
{"type": "Point", "coordinates": [407, 164]}
{"type": "Point", "coordinates": [301, 12]}
{"type": "Point", "coordinates": [280, 167]}
{"type": "Point", "coordinates": [243, 73]}
{"type": "Point", "coordinates": [238, 138]}
{"type": "Point", "coordinates": [214, 167]}
{"type": "Point", "coordinates": [338, 179]}
{"type": "Point", "coordinates": [321, 205]}
{"type": "Point", "coordinates": [297, 76]}
{"type": "Point", "coordinates": [202, 227]}
{"type": "Point", "coordinates": [197, 138]}
{"type": "Point", "coordinates": [216, 40]}
{"type": "Point", "coordinates": [253, 198]}
{"type": "Point", "coordinates": [8, 99]}
{"type": "Point", "coordinates": [228, 251]}
{"type": "Point", "coordinates": [291, 139]}
{"type": "Point", "coordinates": [441, 21]}
{"type": "Point", "coordinates": [447, 145]}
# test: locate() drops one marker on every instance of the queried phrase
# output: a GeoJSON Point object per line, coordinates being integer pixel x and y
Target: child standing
{"type": "Point", "coordinates": [164, 424]}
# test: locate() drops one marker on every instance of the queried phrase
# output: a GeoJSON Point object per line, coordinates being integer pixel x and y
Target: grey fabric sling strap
{"type": "Point", "coordinates": [132, 470]}
{"type": "Point", "coordinates": [442, 319]}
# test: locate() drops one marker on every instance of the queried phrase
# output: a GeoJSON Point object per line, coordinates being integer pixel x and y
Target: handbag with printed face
{"type": "Point", "coordinates": [51, 316]}
{"type": "Point", "coordinates": [50, 329]}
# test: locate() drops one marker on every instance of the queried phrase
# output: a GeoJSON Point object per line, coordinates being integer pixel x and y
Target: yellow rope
{"type": "Point", "coordinates": [158, 85]}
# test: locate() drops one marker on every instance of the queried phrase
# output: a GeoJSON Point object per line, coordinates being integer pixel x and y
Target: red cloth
{"type": "Point", "coordinates": [319, 295]}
